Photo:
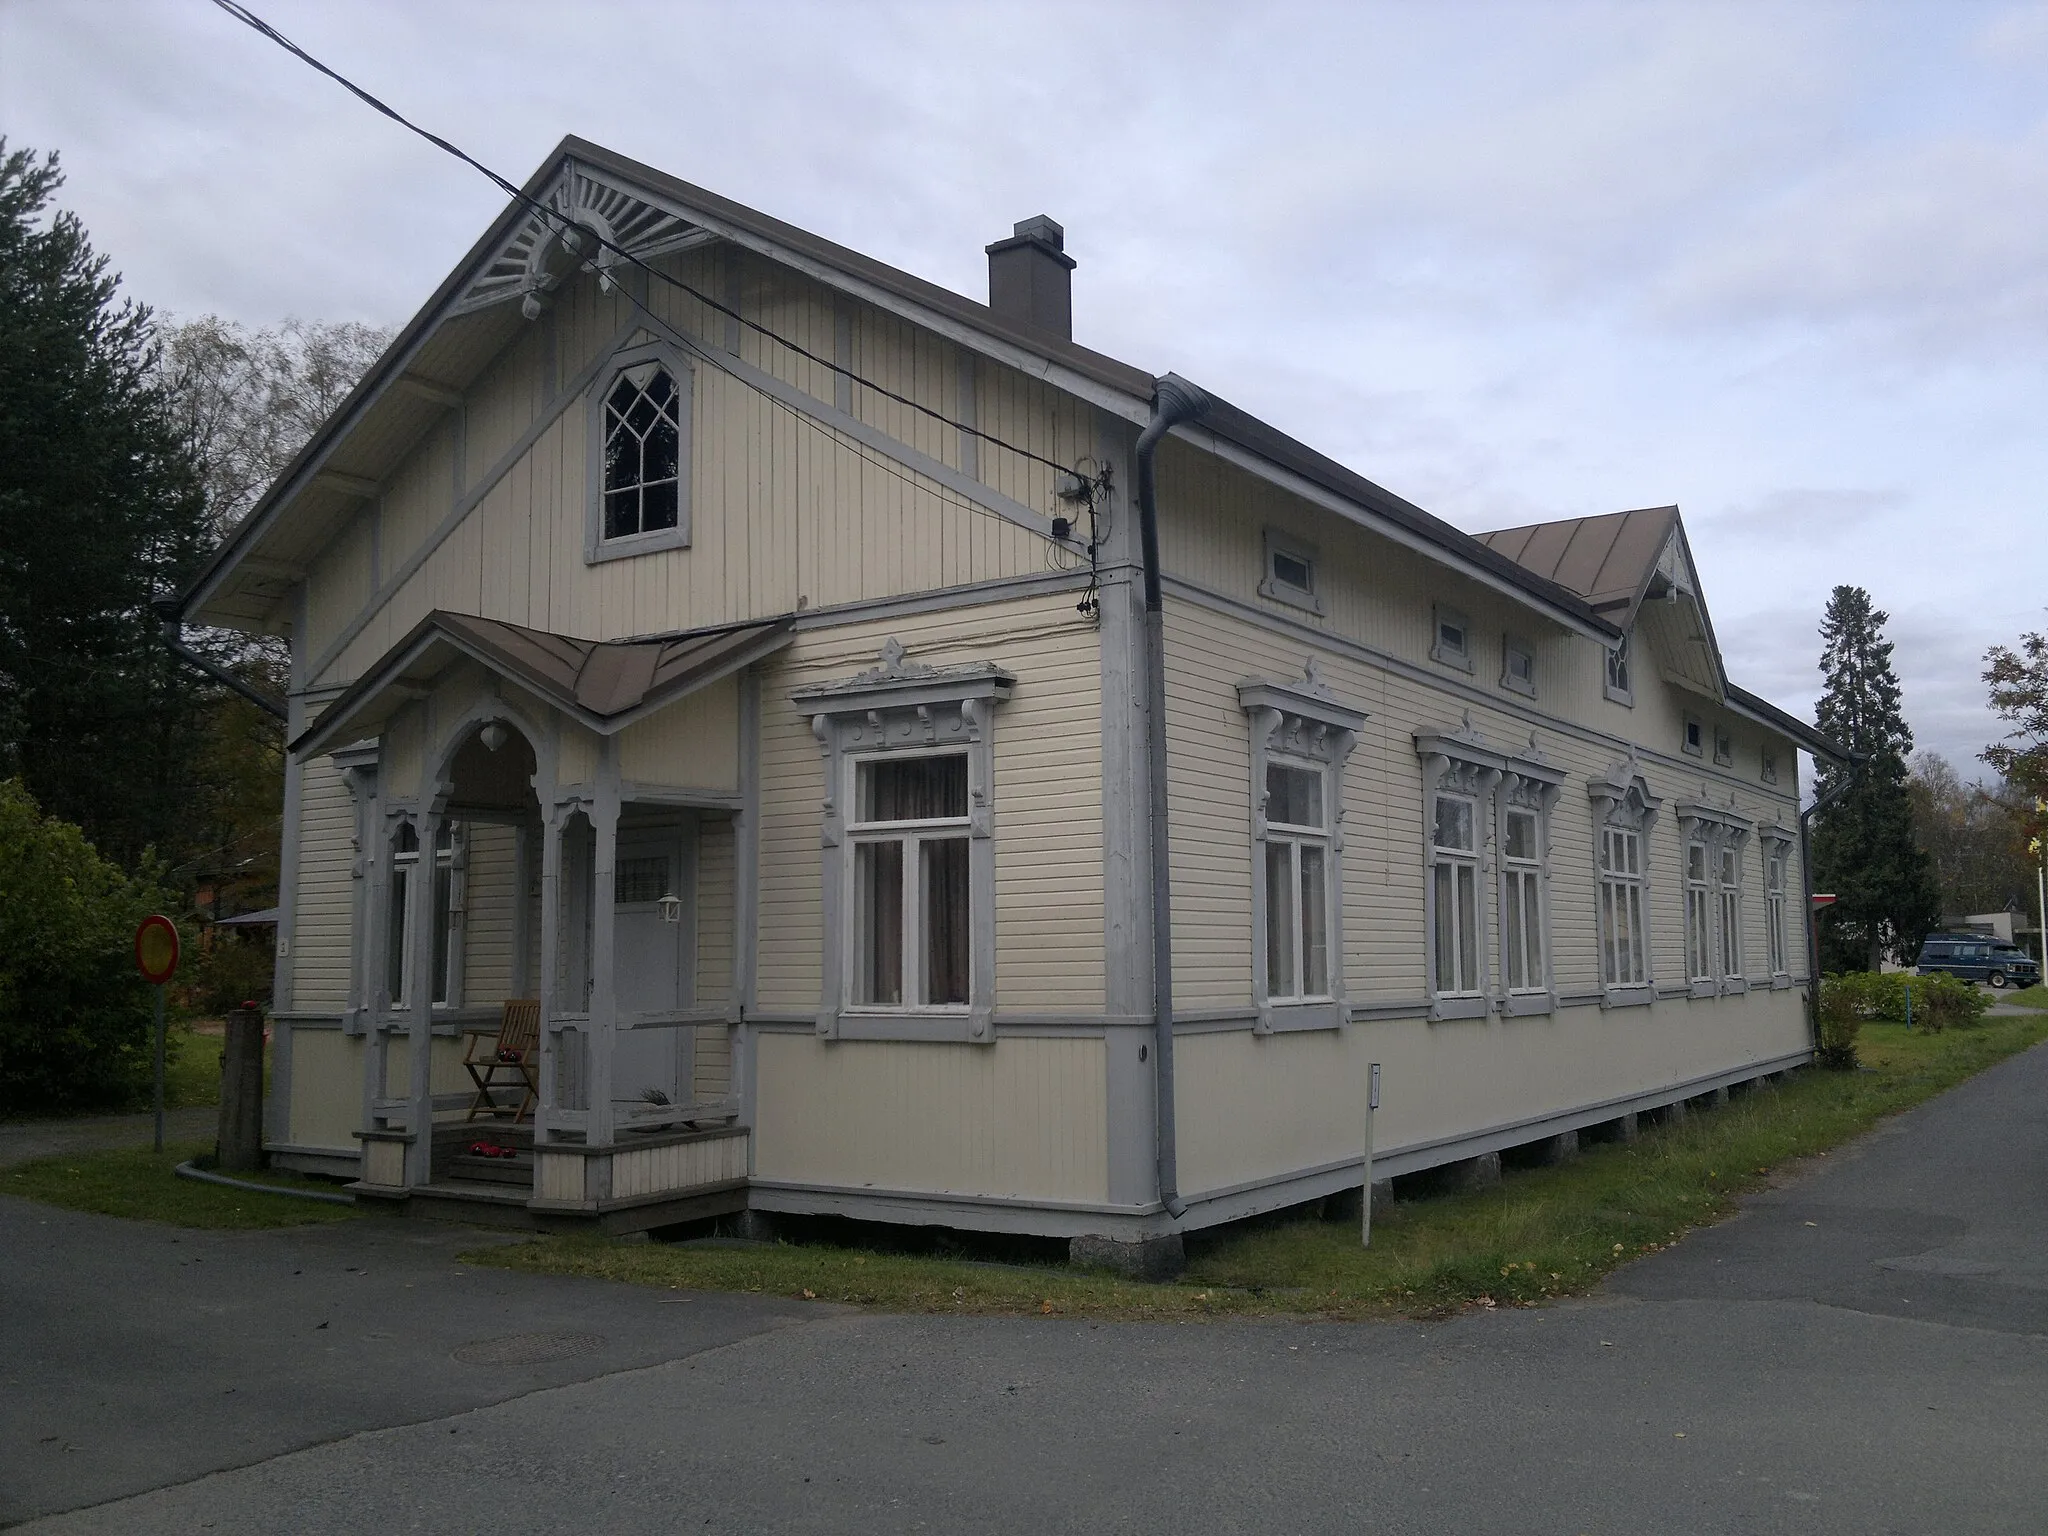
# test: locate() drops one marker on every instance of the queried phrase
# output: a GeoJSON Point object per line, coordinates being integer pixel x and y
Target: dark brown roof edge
{"type": "Point", "coordinates": [1806, 735]}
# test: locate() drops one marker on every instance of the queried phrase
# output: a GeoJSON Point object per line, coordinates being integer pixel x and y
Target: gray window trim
{"type": "Point", "coordinates": [1621, 798]}
{"type": "Point", "coordinates": [905, 706]}
{"type": "Point", "coordinates": [1461, 762]}
{"type": "Point", "coordinates": [1619, 695]}
{"type": "Point", "coordinates": [1512, 646]}
{"type": "Point", "coordinates": [1767, 765]}
{"type": "Point", "coordinates": [1279, 541]}
{"type": "Point", "coordinates": [1519, 790]}
{"type": "Point", "coordinates": [1690, 725]}
{"type": "Point", "coordinates": [1719, 828]}
{"type": "Point", "coordinates": [1776, 841]}
{"type": "Point", "coordinates": [1441, 614]}
{"type": "Point", "coordinates": [596, 547]}
{"type": "Point", "coordinates": [1299, 721]}
{"type": "Point", "coordinates": [1724, 746]}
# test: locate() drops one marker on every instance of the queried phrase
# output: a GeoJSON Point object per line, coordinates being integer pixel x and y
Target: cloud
{"type": "Point", "coordinates": [1803, 515]}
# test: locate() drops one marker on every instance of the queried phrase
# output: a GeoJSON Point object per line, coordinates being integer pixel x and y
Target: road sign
{"type": "Point", "coordinates": [156, 948]}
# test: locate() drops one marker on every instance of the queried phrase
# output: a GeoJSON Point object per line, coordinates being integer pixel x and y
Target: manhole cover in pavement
{"type": "Point", "coordinates": [530, 1348]}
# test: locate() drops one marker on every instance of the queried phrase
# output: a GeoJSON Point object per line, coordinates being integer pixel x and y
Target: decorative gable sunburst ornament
{"type": "Point", "coordinates": [539, 254]}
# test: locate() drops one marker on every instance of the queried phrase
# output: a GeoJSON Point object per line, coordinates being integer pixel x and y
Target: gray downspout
{"type": "Point", "coordinates": [1174, 401]}
{"type": "Point", "coordinates": [1856, 761]}
{"type": "Point", "coordinates": [174, 641]}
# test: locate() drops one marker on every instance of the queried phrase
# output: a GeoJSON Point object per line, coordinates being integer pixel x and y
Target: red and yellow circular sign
{"type": "Point", "coordinates": [156, 948]}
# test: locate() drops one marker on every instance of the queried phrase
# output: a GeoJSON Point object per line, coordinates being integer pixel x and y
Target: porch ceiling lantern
{"type": "Point", "coordinates": [909, 708]}
{"type": "Point", "coordinates": [671, 906]}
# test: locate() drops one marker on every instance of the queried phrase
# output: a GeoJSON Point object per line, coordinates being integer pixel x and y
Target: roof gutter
{"type": "Point", "coordinates": [1174, 401]}
{"type": "Point", "coordinates": [172, 616]}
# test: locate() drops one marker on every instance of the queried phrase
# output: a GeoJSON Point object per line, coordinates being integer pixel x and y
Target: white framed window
{"type": "Point", "coordinates": [1624, 950]}
{"type": "Point", "coordinates": [1454, 936]}
{"type": "Point", "coordinates": [639, 431]}
{"type": "Point", "coordinates": [444, 964]}
{"type": "Point", "coordinates": [1450, 637]}
{"type": "Point", "coordinates": [1297, 883]}
{"type": "Point", "coordinates": [1728, 889]}
{"type": "Point", "coordinates": [1699, 941]}
{"type": "Point", "coordinates": [912, 909]}
{"type": "Point", "coordinates": [1624, 811]}
{"type": "Point", "coordinates": [1485, 827]}
{"type": "Point", "coordinates": [1777, 852]}
{"type": "Point", "coordinates": [1767, 766]}
{"type": "Point", "coordinates": [1517, 666]}
{"type": "Point", "coordinates": [1724, 746]}
{"type": "Point", "coordinates": [1301, 737]}
{"type": "Point", "coordinates": [1692, 738]}
{"type": "Point", "coordinates": [1523, 949]}
{"type": "Point", "coordinates": [907, 849]}
{"type": "Point", "coordinates": [1290, 572]}
{"type": "Point", "coordinates": [1617, 683]}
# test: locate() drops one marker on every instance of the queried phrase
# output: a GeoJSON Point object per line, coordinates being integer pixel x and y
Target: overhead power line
{"type": "Point", "coordinates": [560, 224]}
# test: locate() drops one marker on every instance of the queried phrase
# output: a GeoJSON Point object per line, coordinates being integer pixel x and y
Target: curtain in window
{"type": "Point", "coordinates": [945, 919]}
{"type": "Point", "coordinates": [878, 922]}
{"type": "Point", "coordinates": [913, 789]}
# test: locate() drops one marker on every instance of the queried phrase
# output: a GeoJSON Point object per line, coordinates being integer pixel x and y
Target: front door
{"type": "Point", "coordinates": [654, 956]}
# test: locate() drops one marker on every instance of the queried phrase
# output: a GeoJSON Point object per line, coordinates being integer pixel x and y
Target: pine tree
{"type": "Point", "coordinates": [100, 510]}
{"type": "Point", "coordinates": [1886, 898]}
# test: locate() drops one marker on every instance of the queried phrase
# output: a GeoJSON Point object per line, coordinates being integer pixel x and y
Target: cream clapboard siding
{"type": "Point", "coordinates": [491, 898]}
{"type": "Point", "coordinates": [326, 1107]}
{"type": "Point", "coordinates": [1025, 1118]}
{"type": "Point", "coordinates": [324, 922]}
{"type": "Point", "coordinates": [711, 1063]}
{"type": "Point", "coordinates": [1253, 1107]}
{"type": "Point", "coordinates": [1047, 799]}
{"type": "Point", "coordinates": [784, 512]}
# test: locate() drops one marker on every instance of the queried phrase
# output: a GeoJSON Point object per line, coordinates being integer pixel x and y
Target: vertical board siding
{"type": "Point", "coordinates": [784, 510]}
{"type": "Point", "coordinates": [491, 902]}
{"type": "Point", "coordinates": [323, 936]}
{"type": "Point", "coordinates": [1265, 1106]}
{"type": "Point", "coordinates": [1047, 799]}
{"type": "Point", "coordinates": [326, 1106]}
{"type": "Point", "coordinates": [692, 743]}
{"type": "Point", "coordinates": [1022, 1119]}
{"type": "Point", "coordinates": [681, 1165]}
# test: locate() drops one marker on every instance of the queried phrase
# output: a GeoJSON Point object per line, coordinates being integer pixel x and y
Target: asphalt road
{"type": "Point", "coordinates": [1861, 1351]}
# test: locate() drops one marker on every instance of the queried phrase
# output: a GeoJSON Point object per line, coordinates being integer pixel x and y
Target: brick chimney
{"type": "Point", "coordinates": [1030, 277]}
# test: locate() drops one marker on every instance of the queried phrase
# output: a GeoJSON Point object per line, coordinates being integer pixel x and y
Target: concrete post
{"type": "Point", "coordinates": [239, 1148]}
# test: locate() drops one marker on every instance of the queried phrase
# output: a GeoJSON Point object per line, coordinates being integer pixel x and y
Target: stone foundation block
{"type": "Point", "coordinates": [1150, 1258]}
{"type": "Point", "coordinates": [1552, 1150]}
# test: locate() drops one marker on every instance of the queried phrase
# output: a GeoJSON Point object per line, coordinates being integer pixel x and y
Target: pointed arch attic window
{"type": "Point", "coordinates": [640, 458]}
{"type": "Point", "coordinates": [642, 452]}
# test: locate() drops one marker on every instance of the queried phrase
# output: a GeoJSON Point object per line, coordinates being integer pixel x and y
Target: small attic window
{"type": "Point", "coordinates": [1290, 572]}
{"type": "Point", "coordinates": [639, 455]}
{"type": "Point", "coordinates": [1767, 767]}
{"type": "Point", "coordinates": [1724, 747]}
{"type": "Point", "coordinates": [1618, 688]}
{"type": "Point", "coordinates": [642, 453]}
{"type": "Point", "coordinates": [1694, 737]}
{"type": "Point", "coordinates": [1452, 642]}
{"type": "Point", "coordinates": [1517, 666]}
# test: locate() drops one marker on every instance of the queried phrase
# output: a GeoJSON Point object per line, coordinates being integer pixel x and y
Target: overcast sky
{"type": "Point", "coordinates": [1785, 265]}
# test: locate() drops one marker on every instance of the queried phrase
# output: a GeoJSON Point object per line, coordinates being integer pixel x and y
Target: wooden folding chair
{"type": "Point", "coordinates": [506, 1057]}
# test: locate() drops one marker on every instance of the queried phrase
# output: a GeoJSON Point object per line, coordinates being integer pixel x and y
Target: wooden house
{"type": "Point", "coordinates": [738, 646]}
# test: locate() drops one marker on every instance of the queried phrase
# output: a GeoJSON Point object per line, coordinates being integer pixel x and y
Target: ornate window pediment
{"type": "Point", "coordinates": [1301, 738]}
{"type": "Point", "coordinates": [1621, 796]}
{"type": "Point", "coordinates": [907, 849]}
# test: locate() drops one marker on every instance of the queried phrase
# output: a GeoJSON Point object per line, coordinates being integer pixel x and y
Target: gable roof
{"type": "Point", "coordinates": [1609, 560]}
{"type": "Point", "coordinates": [606, 684]}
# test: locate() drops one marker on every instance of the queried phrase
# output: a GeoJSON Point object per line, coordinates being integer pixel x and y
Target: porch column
{"type": "Point", "coordinates": [548, 960]}
{"type": "Point", "coordinates": [604, 1009]}
{"type": "Point", "coordinates": [419, 938]}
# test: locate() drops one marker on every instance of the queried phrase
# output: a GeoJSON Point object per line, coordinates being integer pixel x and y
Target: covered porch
{"type": "Point", "coordinates": [546, 934]}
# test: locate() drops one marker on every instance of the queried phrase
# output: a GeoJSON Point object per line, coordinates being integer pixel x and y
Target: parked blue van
{"type": "Point", "coordinates": [1978, 957]}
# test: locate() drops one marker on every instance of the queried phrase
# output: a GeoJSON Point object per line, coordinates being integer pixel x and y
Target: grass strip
{"type": "Point", "coordinates": [1543, 1233]}
{"type": "Point", "coordinates": [139, 1184]}
{"type": "Point", "coordinates": [2027, 997]}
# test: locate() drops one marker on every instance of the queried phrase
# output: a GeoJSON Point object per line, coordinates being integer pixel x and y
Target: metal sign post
{"type": "Point", "coordinates": [156, 956]}
{"type": "Point", "coordinates": [1372, 1103]}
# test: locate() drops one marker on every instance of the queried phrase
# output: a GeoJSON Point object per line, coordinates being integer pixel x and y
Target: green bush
{"type": "Point", "coordinates": [1839, 1022]}
{"type": "Point", "coordinates": [1880, 997]}
{"type": "Point", "coordinates": [234, 969]}
{"type": "Point", "coordinates": [74, 1014]}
